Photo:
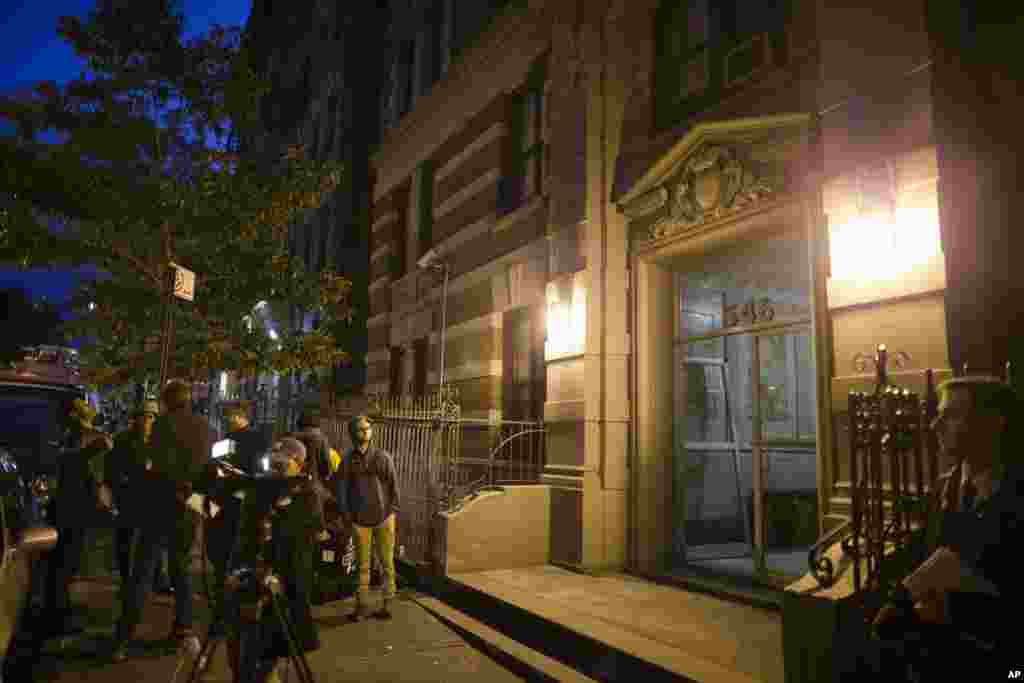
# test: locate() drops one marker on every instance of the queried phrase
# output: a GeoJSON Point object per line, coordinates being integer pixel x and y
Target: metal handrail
{"type": "Point", "coordinates": [822, 568]}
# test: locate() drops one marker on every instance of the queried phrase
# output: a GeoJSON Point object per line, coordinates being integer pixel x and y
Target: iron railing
{"type": "Point", "coordinates": [893, 465]}
{"type": "Point", "coordinates": [496, 453]}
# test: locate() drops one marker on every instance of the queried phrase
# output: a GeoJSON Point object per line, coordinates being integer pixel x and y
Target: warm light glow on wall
{"type": "Point", "coordinates": [879, 246]}
{"type": "Point", "coordinates": [566, 320]}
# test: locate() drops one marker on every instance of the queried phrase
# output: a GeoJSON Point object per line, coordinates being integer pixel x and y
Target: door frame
{"type": "Point", "coordinates": [653, 339]}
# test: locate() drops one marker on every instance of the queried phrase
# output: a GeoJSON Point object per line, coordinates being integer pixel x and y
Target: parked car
{"type": "Point", "coordinates": [24, 538]}
{"type": "Point", "coordinates": [31, 434]}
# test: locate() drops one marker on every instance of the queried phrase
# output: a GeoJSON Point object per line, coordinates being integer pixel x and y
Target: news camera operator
{"type": "Point", "coordinates": [278, 532]}
{"type": "Point", "coordinates": [250, 443]}
{"type": "Point", "coordinates": [244, 447]}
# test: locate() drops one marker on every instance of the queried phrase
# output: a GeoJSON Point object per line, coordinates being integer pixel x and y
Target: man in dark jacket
{"type": "Point", "coordinates": [251, 444]}
{"type": "Point", "coordinates": [126, 465]}
{"type": "Point", "coordinates": [366, 491]}
{"type": "Point", "coordinates": [76, 508]}
{"type": "Point", "coordinates": [969, 579]}
{"type": "Point", "coordinates": [180, 453]}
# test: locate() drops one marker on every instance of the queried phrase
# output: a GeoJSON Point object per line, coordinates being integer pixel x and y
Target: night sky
{"type": "Point", "coordinates": [30, 51]}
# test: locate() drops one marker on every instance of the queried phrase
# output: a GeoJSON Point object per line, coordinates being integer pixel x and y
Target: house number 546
{"type": "Point", "coordinates": [749, 313]}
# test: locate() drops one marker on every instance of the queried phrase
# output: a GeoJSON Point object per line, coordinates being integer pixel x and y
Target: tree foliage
{"type": "Point", "coordinates": [146, 171]}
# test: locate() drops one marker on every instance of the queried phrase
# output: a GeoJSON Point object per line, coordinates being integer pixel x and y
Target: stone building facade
{"type": "Point", "coordinates": [675, 231]}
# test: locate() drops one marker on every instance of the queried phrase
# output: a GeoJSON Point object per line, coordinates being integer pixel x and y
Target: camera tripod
{"type": "Point", "coordinates": [248, 663]}
{"type": "Point", "coordinates": [258, 587]}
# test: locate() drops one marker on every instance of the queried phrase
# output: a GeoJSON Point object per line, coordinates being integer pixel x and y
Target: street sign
{"type": "Point", "coordinates": [184, 282]}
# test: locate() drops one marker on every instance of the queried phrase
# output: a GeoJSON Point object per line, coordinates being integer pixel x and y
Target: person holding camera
{"type": "Point", "coordinates": [366, 494]}
{"type": "Point", "coordinates": [180, 451]}
{"type": "Point", "coordinates": [289, 553]}
{"type": "Point", "coordinates": [251, 443]}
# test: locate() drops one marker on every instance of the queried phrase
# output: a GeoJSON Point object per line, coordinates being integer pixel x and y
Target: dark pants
{"type": "Point", "coordinates": [177, 535]}
{"type": "Point", "coordinates": [65, 561]}
{"type": "Point", "coordinates": [224, 542]}
{"type": "Point", "coordinates": [124, 539]}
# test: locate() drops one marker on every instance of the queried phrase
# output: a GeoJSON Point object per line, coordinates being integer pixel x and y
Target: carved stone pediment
{"type": "Point", "coordinates": [717, 180]}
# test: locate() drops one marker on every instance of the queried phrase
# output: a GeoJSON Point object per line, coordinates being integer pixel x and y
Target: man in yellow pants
{"type": "Point", "coordinates": [366, 490]}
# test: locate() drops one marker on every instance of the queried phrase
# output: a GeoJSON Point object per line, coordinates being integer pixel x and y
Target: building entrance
{"type": "Point", "coordinates": [744, 464]}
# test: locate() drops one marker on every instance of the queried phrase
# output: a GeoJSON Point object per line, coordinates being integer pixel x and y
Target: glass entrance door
{"type": "Point", "coordinates": [717, 521]}
{"type": "Point", "coordinates": [744, 474]}
{"type": "Point", "coordinates": [784, 451]}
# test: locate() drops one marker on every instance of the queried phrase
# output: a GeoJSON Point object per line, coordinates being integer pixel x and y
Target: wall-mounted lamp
{"type": "Point", "coordinates": [882, 240]}
{"type": "Point", "coordinates": [566, 318]}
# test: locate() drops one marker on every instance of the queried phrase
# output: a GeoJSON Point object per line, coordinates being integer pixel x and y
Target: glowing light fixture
{"type": "Point", "coordinates": [273, 334]}
{"type": "Point", "coordinates": [874, 247]}
{"type": "Point", "coordinates": [883, 240]}
{"type": "Point", "coordinates": [223, 383]}
{"type": "Point", "coordinates": [566, 319]}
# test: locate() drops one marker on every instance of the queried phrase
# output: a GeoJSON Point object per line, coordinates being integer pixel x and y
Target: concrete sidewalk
{"type": "Point", "coordinates": [413, 646]}
{"type": "Point", "coordinates": [615, 626]}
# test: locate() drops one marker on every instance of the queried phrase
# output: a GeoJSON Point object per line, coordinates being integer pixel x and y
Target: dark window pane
{"type": "Point", "coordinates": [420, 366]}
{"type": "Point", "coordinates": [435, 48]}
{"type": "Point", "coordinates": [405, 76]}
{"type": "Point", "coordinates": [395, 380]}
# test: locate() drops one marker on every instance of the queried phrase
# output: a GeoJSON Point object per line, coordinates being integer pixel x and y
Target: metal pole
{"type": "Point", "coordinates": [168, 330]}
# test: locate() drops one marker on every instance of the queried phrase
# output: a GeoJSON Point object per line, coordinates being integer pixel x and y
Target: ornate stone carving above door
{"type": "Point", "coordinates": [714, 182]}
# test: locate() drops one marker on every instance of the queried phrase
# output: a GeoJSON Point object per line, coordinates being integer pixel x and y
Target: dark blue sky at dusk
{"type": "Point", "coordinates": [31, 51]}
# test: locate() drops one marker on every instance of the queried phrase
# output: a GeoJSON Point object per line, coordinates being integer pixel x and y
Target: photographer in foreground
{"type": "Point", "coordinates": [293, 521]}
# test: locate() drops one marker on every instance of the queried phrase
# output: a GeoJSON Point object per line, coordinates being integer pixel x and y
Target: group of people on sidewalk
{"type": "Point", "coordinates": [145, 482]}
